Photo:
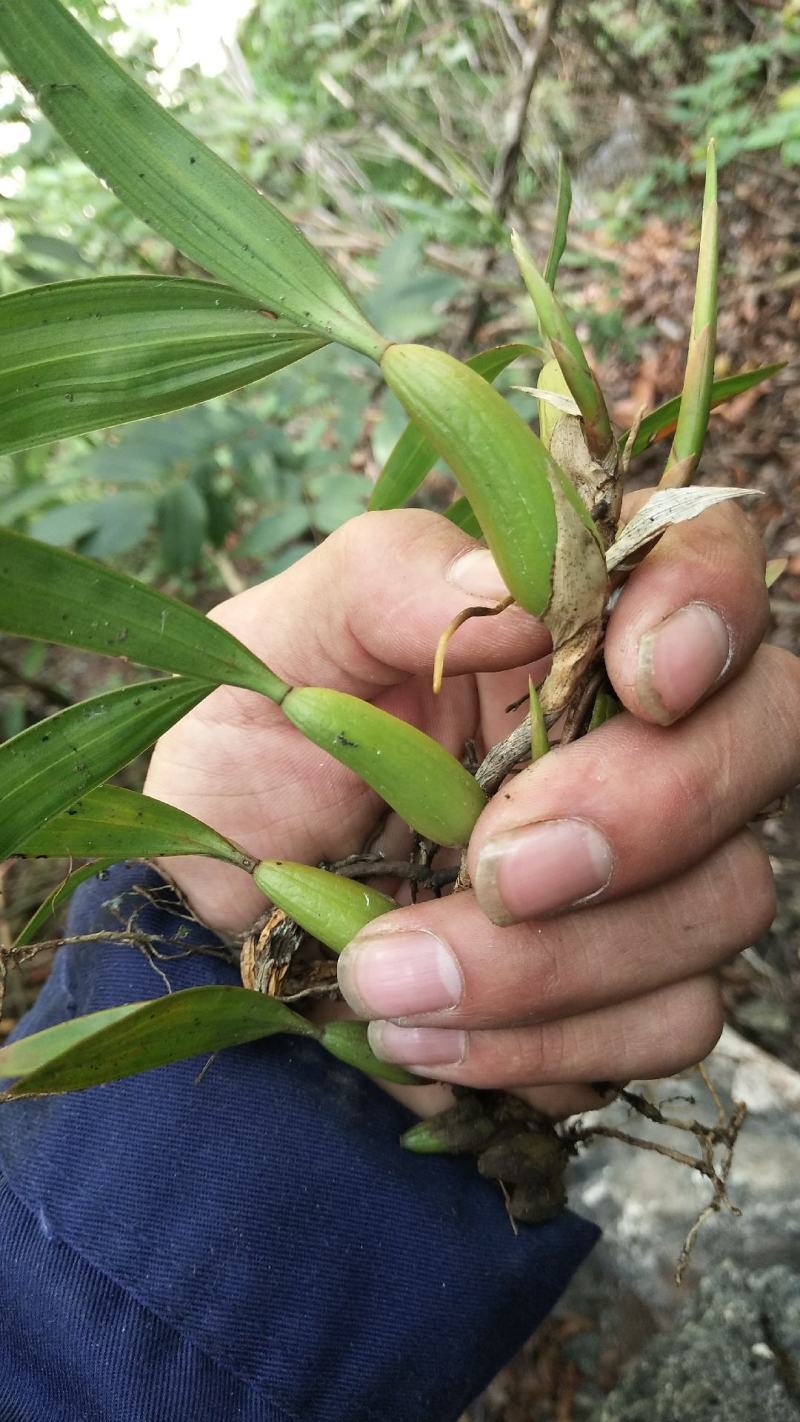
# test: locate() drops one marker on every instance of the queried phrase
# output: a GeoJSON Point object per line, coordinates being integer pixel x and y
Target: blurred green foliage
{"type": "Point", "coordinates": [379, 128]}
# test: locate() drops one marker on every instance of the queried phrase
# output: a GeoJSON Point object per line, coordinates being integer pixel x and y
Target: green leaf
{"type": "Point", "coordinates": [124, 1041]}
{"type": "Point", "coordinates": [501, 466]}
{"type": "Point", "coordinates": [559, 239]}
{"type": "Point", "coordinates": [775, 568]}
{"type": "Point", "coordinates": [336, 505]}
{"type": "Point", "coordinates": [690, 431]}
{"type": "Point", "coordinates": [273, 531]}
{"type": "Point", "coordinates": [540, 741]}
{"type": "Point", "coordinates": [661, 422]}
{"type": "Point", "coordinates": [170, 179]}
{"type": "Point", "coordinates": [85, 355]}
{"type": "Point", "coordinates": [183, 523]}
{"type": "Point", "coordinates": [605, 707]}
{"type": "Point", "coordinates": [550, 382]}
{"type": "Point", "coordinates": [348, 1041]}
{"type": "Point", "coordinates": [462, 515]}
{"type": "Point", "coordinates": [568, 351]}
{"type": "Point", "coordinates": [105, 611]}
{"type": "Point", "coordinates": [409, 297]}
{"type": "Point", "coordinates": [414, 456]}
{"type": "Point", "coordinates": [47, 768]}
{"type": "Point", "coordinates": [421, 780]}
{"type": "Point", "coordinates": [53, 249]}
{"type": "Point", "coordinates": [122, 823]}
{"type": "Point", "coordinates": [64, 891]}
{"type": "Point", "coordinates": [325, 904]}
{"type": "Point", "coordinates": [546, 547]}
{"type": "Point", "coordinates": [122, 522]}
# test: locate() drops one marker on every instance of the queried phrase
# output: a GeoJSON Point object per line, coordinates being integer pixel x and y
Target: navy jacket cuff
{"type": "Point", "coordinates": [254, 1245]}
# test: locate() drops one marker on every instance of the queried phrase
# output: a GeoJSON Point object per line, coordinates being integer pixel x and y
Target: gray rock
{"type": "Point", "coordinates": [645, 1205]}
{"type": "Point", "coordinates": [732, 1356]}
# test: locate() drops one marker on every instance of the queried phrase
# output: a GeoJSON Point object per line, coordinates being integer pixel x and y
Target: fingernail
{"type": "Point", "coordinates": [681, 660]}
{"type": "Point", "coordinates": [539, 869]}
{"type": "Point", "coordinates": [417, 1046]}
{"type": "Point", "coordinates": [399, 974]}
{"type": "Point", "coordinates": [476, 573]}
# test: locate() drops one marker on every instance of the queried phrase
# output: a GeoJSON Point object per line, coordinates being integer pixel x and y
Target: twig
{"type": "Point", "coordinates": [583, 1135]}
{"type": "Point", "coordinates": [231, 578]}
{"type": "Point", "coordinates": [506, 169]}
{"type": "Point", "coordinates": [503, 757]}
{"type": "Point", "coordinates": [724, 1133]}
{"type": "Point", "coordinates": [720, 1191]}
{"type": "Point", "coordinates": [371, 866]}
{"type": "Point", "coordinates": [580, 708]}
{"type": "Point", "coordinates": [713, 1093]}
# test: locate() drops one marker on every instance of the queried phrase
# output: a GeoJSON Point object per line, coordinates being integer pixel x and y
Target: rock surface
{"type": "Point", "coordinates": [732, 1356]}
{"type": "Point", "coordinates": [645, 1205]}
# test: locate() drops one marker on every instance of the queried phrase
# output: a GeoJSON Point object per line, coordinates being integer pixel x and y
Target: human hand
{"type": "Point", "coordinates": [640, 825]}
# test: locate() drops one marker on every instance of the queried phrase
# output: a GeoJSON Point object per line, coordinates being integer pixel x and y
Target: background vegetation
{"type": "Point", "coordinates": [385, 130]}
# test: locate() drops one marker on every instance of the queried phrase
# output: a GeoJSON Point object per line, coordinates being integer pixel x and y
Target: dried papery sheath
{"type": "Point", "coordinates": [663, 509]}
{"type": "Point", "coordinates": [596, 480]}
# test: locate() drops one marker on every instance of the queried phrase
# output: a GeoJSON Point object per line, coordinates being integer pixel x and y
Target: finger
{"type": "Point", "coordinates": [554, 1101]}
{"type": "Point", "coordinates": [633, 805]}
{"type": "Point", "coordinates": [442, 963]}
{"type": "Point", "coordinates": [690, 616]}
{"type": "Point", "coordinates": [366, 609]}
{"type": "Point", "coordinates": [652, 1036]}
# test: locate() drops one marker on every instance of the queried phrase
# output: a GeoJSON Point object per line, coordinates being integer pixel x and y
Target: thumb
{"type": "Point", "coordinates": [365, 610]}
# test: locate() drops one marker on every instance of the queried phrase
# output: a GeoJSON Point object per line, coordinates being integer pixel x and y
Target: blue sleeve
{"type": "Point", "coordinates": [255, 1247]}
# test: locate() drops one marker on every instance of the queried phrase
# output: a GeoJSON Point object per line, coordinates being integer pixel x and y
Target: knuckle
{"type": "Point", "coordinates": [698, 1020]}
{"type": "Point", "coordinates": [752, 882]}
{"type": "Point", "coordinates": [543, 986]}
{"type": "Point", "coordinates": [689, 781]}
{"type": "Point", "coordinates": [536, 1054]}
{"type": "Point", "coordinates": [679, 1027]}
{"type": "Point", "coordinates": [779, 673]}
{"type": "Point", "coordinates": [785, 669]}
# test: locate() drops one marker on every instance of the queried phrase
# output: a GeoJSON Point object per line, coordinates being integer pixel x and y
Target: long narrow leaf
{"type": "Point", "coordinates": [414, 456]}
{"type": "Point", "coordinates": [559, 238]}
{"type": "Point", "coordinates": [462, 514]}
{"type": "Point", "coordinates": [64, 891]}
{"type": "Point", "coordinates": [55, 596]}
{"type": "Point", "coordinates": [540, 742]}
{"type": "Point", "coordinates": [661, 422]}
{"type": "Point", "coordinates": [348, 1041]}
{"type": "Point", "coordinates": [169, 178]}
{"type": "Point", "coordinates": [122, 823]}
{"type": "Point", "coordinates": [690, 432]}
{"type": "Point", "coordinates": [124, 1041]}
{"type": "Point", "coordinates": [85, 355]}
{"type": "Point", "coordinates": [47, 768]}
{"type": "Point", "coordinates": [567, 350]}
